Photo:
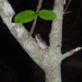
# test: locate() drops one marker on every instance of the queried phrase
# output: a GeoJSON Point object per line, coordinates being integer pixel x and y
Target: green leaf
{"type": "Point", "coordinates": [25, 16]}
{"type": "Point", "coordinates": [47, 14]}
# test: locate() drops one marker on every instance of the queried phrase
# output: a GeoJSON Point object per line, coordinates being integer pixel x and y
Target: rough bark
{"type": "Point", "coordinates": [49, 60]}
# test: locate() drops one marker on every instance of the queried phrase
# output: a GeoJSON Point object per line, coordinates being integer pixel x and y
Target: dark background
{"type": "Point", "coordinates": [17, 66]}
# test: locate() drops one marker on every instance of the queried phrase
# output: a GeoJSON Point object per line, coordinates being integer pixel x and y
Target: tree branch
{"type": "Point", "coordinates": [56, 31]}
{"type": "Point", "coordinates": [71, 52]}
{"type": "Point", "coordinates": [51, 60]}
{"type": "Point", "coordinates": [19, 32]}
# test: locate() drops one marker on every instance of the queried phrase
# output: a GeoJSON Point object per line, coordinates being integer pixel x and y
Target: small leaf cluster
{"type": "Point", "coordinates": [29, 15]}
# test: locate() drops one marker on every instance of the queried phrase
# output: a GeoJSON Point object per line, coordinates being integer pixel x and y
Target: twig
{"type": "Point", "coordinates": [71, 52]}
{"type": "Point", "coordinates": [35, 20]}
{"type": "Point", "coordinates": [65, 10]}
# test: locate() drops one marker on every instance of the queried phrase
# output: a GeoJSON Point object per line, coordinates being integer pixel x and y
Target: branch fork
{"type": "Point", "coordinates": [50, 60]}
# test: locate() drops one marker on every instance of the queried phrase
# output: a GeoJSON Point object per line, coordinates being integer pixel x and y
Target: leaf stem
{"type": "Point", "coordinates": [35, 20]}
